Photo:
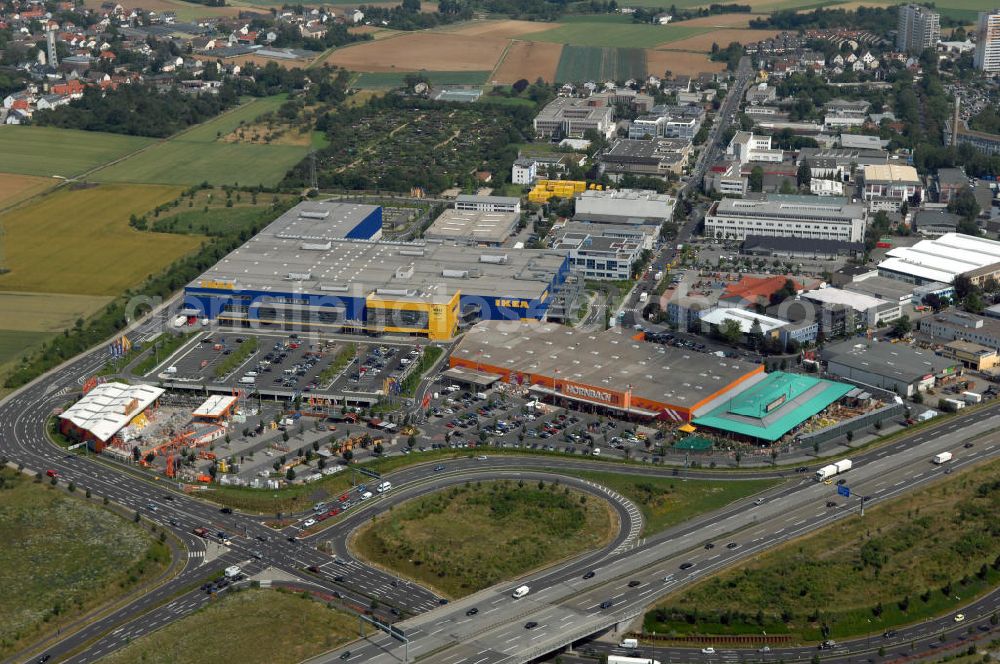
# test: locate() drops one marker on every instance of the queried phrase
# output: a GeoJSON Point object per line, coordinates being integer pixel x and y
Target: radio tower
{"type": "Point", "coordinates": [50, 40]}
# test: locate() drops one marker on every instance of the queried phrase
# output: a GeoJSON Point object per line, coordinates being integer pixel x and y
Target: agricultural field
{"type": "Point", "coordinates": [391, 80]}
{"type": "Point", "coordinates": [14, 342]}
{"type": "Point", "coordinates": [415, 51]}
{"type": "Point", "coordinates": [16, 188]}
{"type": "Point", "coordinates": [703, 42]}
{"type": "Point", "coordinates": [680, 62]}
{"type": "Point", "coordinates": [586, 63]}
{"type": "Point", "coordinates": [201, 154]}
{"type": "Point", "coordinates": [613, 33]}
{"type": "Point", "coordinates": [530, 61]}
{"type": "Point", "coordinates": [49, 151]}
{"type": "Point", "coordinates": [65, 242]}
{"type": "Point", "coordinates": [503, 29]}
{"type": "Point", "coordinates": [467, 538]}
{"type": "Point", "coordinates": [61, 557]}
{"type": "Point", "coordinates": [46, 312]}
{"type": "Point", "coordinates": [286, 628]}
{"type": "Point", "coordinates": [924, 554]}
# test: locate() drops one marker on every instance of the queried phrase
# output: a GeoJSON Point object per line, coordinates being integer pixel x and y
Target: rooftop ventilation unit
{"type": "Point", "coordinates": [455, 274]}
{"type": "Point", "coordinates": [411, 252]}
{"type": "Point", "coordinates": [496, 259]}
{"type": "Point", "coordinates": [398, 292]}
{"type": "Point", "coordinates": [317, 246]}
{"type": "Point", "coordinates": [299, 276]}
{"type": "Point", "coordinates": [404, 272]}
{"type": "Point", "coordinates": [314, 214]}
{"type": "Point", "coordinates": [334, 288]}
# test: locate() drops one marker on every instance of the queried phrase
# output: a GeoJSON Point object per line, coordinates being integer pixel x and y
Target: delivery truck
{"type": "Point", "coordinates": [826, 472]}
{"type": "Point", "coordinates": [618, 659]}
{"type": "Point", "coordinates": [943, 457]}
{"type": "Point", "coordinates": [180, 321]}
{"type": "Point", "coordinates": [629, 643]}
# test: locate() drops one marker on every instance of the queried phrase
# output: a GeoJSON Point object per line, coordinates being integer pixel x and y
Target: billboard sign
{"type": "Point", "coordinates": [844, 491]}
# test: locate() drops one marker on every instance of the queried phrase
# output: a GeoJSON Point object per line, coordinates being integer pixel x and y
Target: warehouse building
{"type": "Point", "coordinates": [497, 204]}
{"type": "Point", "coordinates": [304, 271]}
{"type": "Point", "coordinates": [658, 157]}
{"type": "Point", "coordinates": [108, 411]}
{"type": "Point", "coordinates": [890, 290]}
{"type": "Point", "coordinates": [894, 367]}
{"type": "Point", "coordinates": [606, 371]}
{"type": "Point", "coordinates": [631, 203]}
{"type": "Point", "coordinates": [811, 217]}
{"type": "Point", "coordinates": [776, 406]}
{"type": "Point", "coordinates": [942, 259]}
{"type": "Point", "coordinates": [484, 229]}
{"type": "Point", "coordinates": [952, 325]}
{"type": "Point", "coordinates": [572, 116]}
{"type": "Point", "coordinates": [972, 355]}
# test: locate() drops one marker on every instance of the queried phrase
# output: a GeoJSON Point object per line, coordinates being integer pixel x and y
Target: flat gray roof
{"type": "Point", "coordinates": [821, 208]}
{"type": "Point", "coordinates": [896, 361]}
{"type": "Point", "coordinates": [311, 261]}
{"type": "Point", "coordinates": [319, 220]}
{"type": "Point", "coordinates": [473, 226]}
{"type": "Point", "coordinates": [496, 200]}
{"type": "Point", "coordinates": [608, 359]}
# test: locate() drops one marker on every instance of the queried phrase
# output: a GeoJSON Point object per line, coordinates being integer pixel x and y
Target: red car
{"type": "Point", "coordinates": [52, 473]}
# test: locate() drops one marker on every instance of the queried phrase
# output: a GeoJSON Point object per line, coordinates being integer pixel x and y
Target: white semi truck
{"type": "Point", "coordinates": [943, 457]}
{"type": "Point", "coordinates": [826, 472]}
{"type": "Point", "coordinates": [618, 659]}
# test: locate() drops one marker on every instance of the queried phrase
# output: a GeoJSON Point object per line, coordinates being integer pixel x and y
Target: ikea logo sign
{"type": "Point", "coordinates": [511, 304]}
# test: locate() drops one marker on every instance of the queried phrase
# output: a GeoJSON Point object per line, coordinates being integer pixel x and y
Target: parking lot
{"type": "Point", "coordinates": [286, 365]}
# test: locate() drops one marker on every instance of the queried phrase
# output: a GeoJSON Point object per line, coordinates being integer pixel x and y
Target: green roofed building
{"type": "Point", "coordinates": [774, 406]}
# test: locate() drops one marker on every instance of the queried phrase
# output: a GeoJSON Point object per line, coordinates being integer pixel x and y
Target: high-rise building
{"type": "Point", "coordinates": [988, 41]}
{"type": "Point", "coordinates": [918, 28]}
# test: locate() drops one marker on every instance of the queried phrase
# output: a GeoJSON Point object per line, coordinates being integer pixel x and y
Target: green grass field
{"type": "Point", "coordinates": [467, 538]}
{"type": "Point", "coordinates": [14, 342]}
{"type": "Point", "coordinates": [394, 79]}
{"type": "Point", "coordinates": [67, 241]}
{"type": "Point", "coordinates": [614, 33]}
{"type": "Point", "coordinates": [591, 63]}
{"type": "Point", "coordinates": [62, 556]}
{"type": "Point", "coordinates": [285, 628]}
{"type": "Point", "coordinates": [198, 155]}
{"type": "Point", "coordinates": [924, 554]}
{"type": "Point", "coordinates": [46, 312]}
{"type": "Point", "coordinates": [48, 151]}
{"type": "Point", "coordinates": [668, 501]}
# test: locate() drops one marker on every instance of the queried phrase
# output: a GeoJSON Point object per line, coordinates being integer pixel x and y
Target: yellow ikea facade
{"type": "Point", "coordinates": [441, 317]}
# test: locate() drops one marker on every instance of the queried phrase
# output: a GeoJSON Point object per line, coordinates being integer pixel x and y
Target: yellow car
{"type": "Point", "coordinates": [827, 481]}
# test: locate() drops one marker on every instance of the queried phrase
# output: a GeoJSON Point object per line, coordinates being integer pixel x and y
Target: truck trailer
{"type": "Point", "coordinates": [943, 457]}
{"type": "Point", "coordinates": [618, 659]}
{"type": "Point", "coordinates": [826, 472]}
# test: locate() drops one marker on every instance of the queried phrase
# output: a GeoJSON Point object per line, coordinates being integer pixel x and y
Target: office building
{"type": "Point", "coordinates": [746, 147]}
{"type": "Point", "coordinates": [656, 158]}
{"type": "Point", "coordinates": [599, 257]}
{"type": "Point", "coordinates": [959, 325]}
{"type": "Point", "coordinates": [888, 186]}
{"type": "Point", "coordinates": [987, 57]}
{"type": "Point", "coordinates": [814, 217]}
{"type": "Point", "coordinates": [917, 28]}
{"type": "Point", "coordinates": [502, 204]}
{"type": "Point", "coordinates": [571, 117]}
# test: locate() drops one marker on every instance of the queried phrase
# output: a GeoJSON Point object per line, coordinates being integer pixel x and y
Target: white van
{"type": "Point", "coordinates": [366, 495]}
{"type": "Point", "coordinates": [597, 451]}
{"type": "Point", "coordinates": [520, 592]}
{"type": "Point", "coordinates": [383, 487]}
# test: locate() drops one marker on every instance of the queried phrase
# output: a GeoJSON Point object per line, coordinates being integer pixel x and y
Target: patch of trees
{"type": "Point", "coordinates": [875, 19]}
{"type": "Point", "coordinates": [289, 36]}
{"type": "Point", "coordinates": [647, 14]}
{"type": "Point", "coordinates": [730, 55]}
{"type": "Point", "coordinates": [138, 110]}
{"type": "Point", "coordinates": [407, 16]}
{"type": "Point", "coordinates": [988, 120]}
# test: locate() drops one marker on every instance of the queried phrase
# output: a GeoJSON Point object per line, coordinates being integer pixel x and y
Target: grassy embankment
{"type": "Point", "coordinates": [285, 628]}
{"type": "Point", "coordinates": [922, 555]}
{"type": "Point", "coordinates": [62, 556]}
{"type": "Point", "coordinates": [470, 537]}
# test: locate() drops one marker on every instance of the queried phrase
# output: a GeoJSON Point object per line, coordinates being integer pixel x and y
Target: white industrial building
{"type": "Point", "coordinates": [744, 318]}
{"type": "Point", "coordinates": [942, 259]}
{"type": "Point", "coordinates": [888, 186]}
{"type": "Point", "coordinates": [488, 203]}
{"type": "Point", "coordinates": [865, 310]}
{"type": "Point", "coordinates": [813, 217]}
{"type": "Point", "coordinates": [636, 203]}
